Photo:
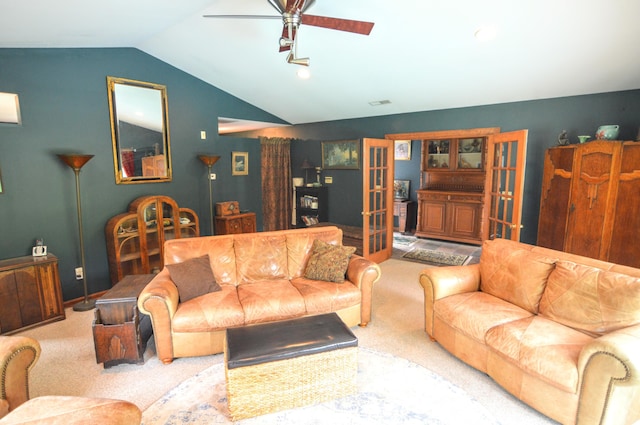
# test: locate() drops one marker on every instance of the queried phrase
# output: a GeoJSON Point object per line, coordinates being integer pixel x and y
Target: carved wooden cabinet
{"type": "Point", "coordinates": [235, 223]}
{"type": "Point", "coordinates": [403, 209]}
{"type": "Point", "coordinates": [450, 200]}
{"type": "Point", "coordinates": [30, 293]}
{"type": "Point", "coordinates": [135, 239]}
{"type": "Point", "coordinates": [590, 203]}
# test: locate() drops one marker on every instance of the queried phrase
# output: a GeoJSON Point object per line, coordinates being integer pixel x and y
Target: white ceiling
{"type": "Point", "coordinates": [421, 54]}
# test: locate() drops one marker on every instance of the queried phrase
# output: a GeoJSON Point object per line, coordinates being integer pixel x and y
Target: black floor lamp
{"type": "Point", "coordinates": [76, 162]}
{"type": "Point", "coordinates": [209, 160]}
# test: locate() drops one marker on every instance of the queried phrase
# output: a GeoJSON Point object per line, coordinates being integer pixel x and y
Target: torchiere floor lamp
{"type": "Point", "coordinates": [209, 160]}
{"type": "Point", "coordinates": [76, 162]}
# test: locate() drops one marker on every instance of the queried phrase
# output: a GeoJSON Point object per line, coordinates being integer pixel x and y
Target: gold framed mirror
{"type": "Point", "coordinates": [139, 131]}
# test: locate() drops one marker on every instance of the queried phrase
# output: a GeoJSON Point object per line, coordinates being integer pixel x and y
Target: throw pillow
{"type": "Point", "coordinates": [328, 262]}
{"type": "Point", "coordinates": [193, 277]}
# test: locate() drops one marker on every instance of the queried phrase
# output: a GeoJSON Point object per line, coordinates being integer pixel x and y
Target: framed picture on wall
{"type": "Point", "coordinates": [239, 163]}
{"type": "Point", "coordinates": [402, 150]}
{"type": "Point", "coordinates": [342, 155]}
{"type": "Point", "coordinates": [401, 189]}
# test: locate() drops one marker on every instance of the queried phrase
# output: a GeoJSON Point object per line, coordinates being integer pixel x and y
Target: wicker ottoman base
{"type": "Point", "coordinates": [306, 379]}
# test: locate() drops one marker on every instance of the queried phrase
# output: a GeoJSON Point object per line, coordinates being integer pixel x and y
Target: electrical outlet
{"type": "Point", "coordinates": [79, 273]}
{"type": "Point", "coordinates": [203, 135]}
{"type": "Point", "coordinates": [212, 176]}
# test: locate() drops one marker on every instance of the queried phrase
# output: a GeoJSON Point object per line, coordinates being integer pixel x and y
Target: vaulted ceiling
{"type": "Point", "coordinates": [421, 54]}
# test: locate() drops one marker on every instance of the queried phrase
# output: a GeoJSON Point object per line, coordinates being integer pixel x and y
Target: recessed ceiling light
{"type": "Point", "coordinates": [303, 73]}
{"type": "Point", "coordinates": [485, 34]}
{"type": "Point", "coordinates": [379, 102]}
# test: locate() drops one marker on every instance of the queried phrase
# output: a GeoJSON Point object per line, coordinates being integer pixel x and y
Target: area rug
{"type": "Point", "coordinates": [404, 240]}
{"type": "Point", "coordinates": [391, 390]}
{"type": "Point", "coordinates": [436, 258]}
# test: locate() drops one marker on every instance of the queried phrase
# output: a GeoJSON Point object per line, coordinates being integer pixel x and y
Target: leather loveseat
{"type": "Point", "coordinates": [559, 331]}
{"type": "Point", "coordinates": [18, 355]}
{"type": "Point", "coordinates": [261, 278]}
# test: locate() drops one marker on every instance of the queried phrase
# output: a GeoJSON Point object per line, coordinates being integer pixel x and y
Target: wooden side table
{"type": "Point", "coordinates": [404, 211]}
{"type": "Point", "coordinates": [235, 223]}
{"type": "Point", "coordinates": [120, 332]}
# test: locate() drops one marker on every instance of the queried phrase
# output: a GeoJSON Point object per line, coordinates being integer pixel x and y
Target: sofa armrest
{"type": "Point", "coordinates": [363, 273]}
{"type": "Point", "coordinates": [159, 299]}
{"type": "Point", "coordinates": [609, 370]}
{"type": "Point", "coordinates": [441, 282]}
{"type": "Point", "coordinates": [18, 355]}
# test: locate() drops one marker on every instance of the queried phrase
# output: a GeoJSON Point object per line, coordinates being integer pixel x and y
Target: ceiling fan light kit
{"type": "Point", "coordinates": [292, 13]}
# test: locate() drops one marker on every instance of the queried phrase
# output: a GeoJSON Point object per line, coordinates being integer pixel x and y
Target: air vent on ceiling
{"type": "Point", "coordinates": [379, 102]}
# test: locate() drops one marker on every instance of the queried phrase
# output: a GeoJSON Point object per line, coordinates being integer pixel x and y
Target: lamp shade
{"type": "Point", "coordinates": [208, 160]}
{"type": "Point", "coordinates": [306, 164]}
{"type": "Point", "coordinates": [75, 161]}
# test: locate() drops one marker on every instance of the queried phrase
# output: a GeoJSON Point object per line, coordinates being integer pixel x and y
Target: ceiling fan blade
{"type": "Point", "coordinates": [243, 16]}
{"type": "Point", "coordinates": [358, 27]}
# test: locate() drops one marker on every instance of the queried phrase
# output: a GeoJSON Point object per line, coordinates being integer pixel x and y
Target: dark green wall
{"type": "Point", "coordinates": [63, 99]}
{"type": "Point", "coordinates": [544, 119]}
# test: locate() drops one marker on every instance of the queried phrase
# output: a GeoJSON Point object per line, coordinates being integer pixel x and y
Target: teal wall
{"type": "Point", "coordinates": [64, 107]}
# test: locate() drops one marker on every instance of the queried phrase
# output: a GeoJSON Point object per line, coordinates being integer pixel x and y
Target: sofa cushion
{"type": "Point", "coordinates": [193, 277]}
{"type": "Point", "coordinates": [260, 258]}
{"type": "Point", "coordinates": [300, 244]}
{"type": "Point", "coordinates": [474, 313]}
{"type": "Point", "coordinates": [591, 300]}
{"type": "Point", "coordinates": [328, 262]}
{"type": "Point", "coordinates": [211, 312]}
{"type": "Point", "coordinates": [510, 271]}
{"type": "Point", "coordinates": [219, 248]}
{"type": "Point", "coordinates": [542, 348]}
{"type": "Point", "coordinates": [265, 301]}
{"type": "Point", "coordinates": [321, 297]}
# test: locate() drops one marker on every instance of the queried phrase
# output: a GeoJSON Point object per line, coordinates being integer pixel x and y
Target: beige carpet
{"type": "Point", "coordinates": [67, 365]}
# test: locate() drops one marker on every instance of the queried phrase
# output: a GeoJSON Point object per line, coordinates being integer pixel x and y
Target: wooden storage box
{"type": "Point", "coordinates": [227, 208]}
{"type": "Point", "coordinates": [120, 332]}
{"type": "Point", "coordinates": [265, 374]}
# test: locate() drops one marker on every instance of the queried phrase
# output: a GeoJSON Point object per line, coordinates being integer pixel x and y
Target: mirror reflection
{"type": "Point", "coordinates": [139, 131]}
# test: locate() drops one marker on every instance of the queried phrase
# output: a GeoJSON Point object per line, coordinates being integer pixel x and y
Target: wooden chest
{"type": "Point", "coordinates": [234, 224]}
{"type": "Point", "coordinates": [120, 332]}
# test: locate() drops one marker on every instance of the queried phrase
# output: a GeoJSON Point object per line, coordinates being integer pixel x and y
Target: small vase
{"type": "Point", "coordinates": [583, 138]}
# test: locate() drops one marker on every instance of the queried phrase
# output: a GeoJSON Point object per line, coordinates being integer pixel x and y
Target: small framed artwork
{"type": "Point", "coordinates": [342, 155]}
{"type": "Point", "coordinates": [402, 150]}
{"type": "Point", "coordinates": [240, 163]}
{"type": "Point", "coordinates": [401, 189]}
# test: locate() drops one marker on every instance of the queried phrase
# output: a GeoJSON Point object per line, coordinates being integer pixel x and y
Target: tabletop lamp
{"type": "Point", "coordinates": [209, 160]}
{"type": "Point", "coordinates": [76, 162]}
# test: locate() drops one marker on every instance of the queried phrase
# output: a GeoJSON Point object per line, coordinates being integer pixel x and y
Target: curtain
{"type": "Point", "coordinates": [276, 183]}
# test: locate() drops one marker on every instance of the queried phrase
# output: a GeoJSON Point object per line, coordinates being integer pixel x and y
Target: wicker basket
{"type": "Point", "coordinates": [285, 384]}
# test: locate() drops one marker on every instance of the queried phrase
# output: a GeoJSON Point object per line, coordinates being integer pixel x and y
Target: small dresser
{"type": "Point", "coordinates": [236, 223]}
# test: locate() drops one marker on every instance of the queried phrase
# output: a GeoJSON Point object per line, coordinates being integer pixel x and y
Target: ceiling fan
{"type": "Point", "coordinates": [292, 13]}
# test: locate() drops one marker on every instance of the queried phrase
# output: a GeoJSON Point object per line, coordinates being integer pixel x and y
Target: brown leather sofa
{"type": "Point", "coordinates": [559, 331]}
{"type": "Point", "coordinates": [18, 355]}
{"type": "Point", "coordinates": [261, 276]}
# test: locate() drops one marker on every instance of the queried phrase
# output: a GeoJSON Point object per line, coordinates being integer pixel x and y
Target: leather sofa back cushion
{"type": "Point", "coordinates": [510, 271]}
{"type": "Point", "coordinates": [591, 300]}
{"type": "Point", "coordinates": [220, 249]}
{"type": "Point", "coordinates": [260, 257]}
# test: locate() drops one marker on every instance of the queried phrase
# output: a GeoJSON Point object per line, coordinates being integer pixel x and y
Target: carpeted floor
{"type": "Point", "coordinates": [391, 390]}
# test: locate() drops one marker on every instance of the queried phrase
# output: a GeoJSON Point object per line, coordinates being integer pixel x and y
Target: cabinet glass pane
{"type": "Point", "coordinates": [470, 153]}
{"type": "Point", "coordinates": [438, 154]}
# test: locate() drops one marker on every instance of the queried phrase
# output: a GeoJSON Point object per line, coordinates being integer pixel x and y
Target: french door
{"type": "Point", "coordinates": [377, 202]}
{"type": "Point", "coordinates": [506, 155]}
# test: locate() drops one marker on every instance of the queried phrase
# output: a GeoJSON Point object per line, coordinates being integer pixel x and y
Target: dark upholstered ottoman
{"type": "Point", "coordinates": [282, 365]}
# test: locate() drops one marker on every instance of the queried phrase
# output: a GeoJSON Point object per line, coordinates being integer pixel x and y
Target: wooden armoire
{"type": "Point", "coordinates": [590, 201]}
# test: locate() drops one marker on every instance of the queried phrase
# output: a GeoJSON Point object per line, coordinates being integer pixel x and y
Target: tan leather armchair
{"type": "Point", "coordinates": [18, 355]}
